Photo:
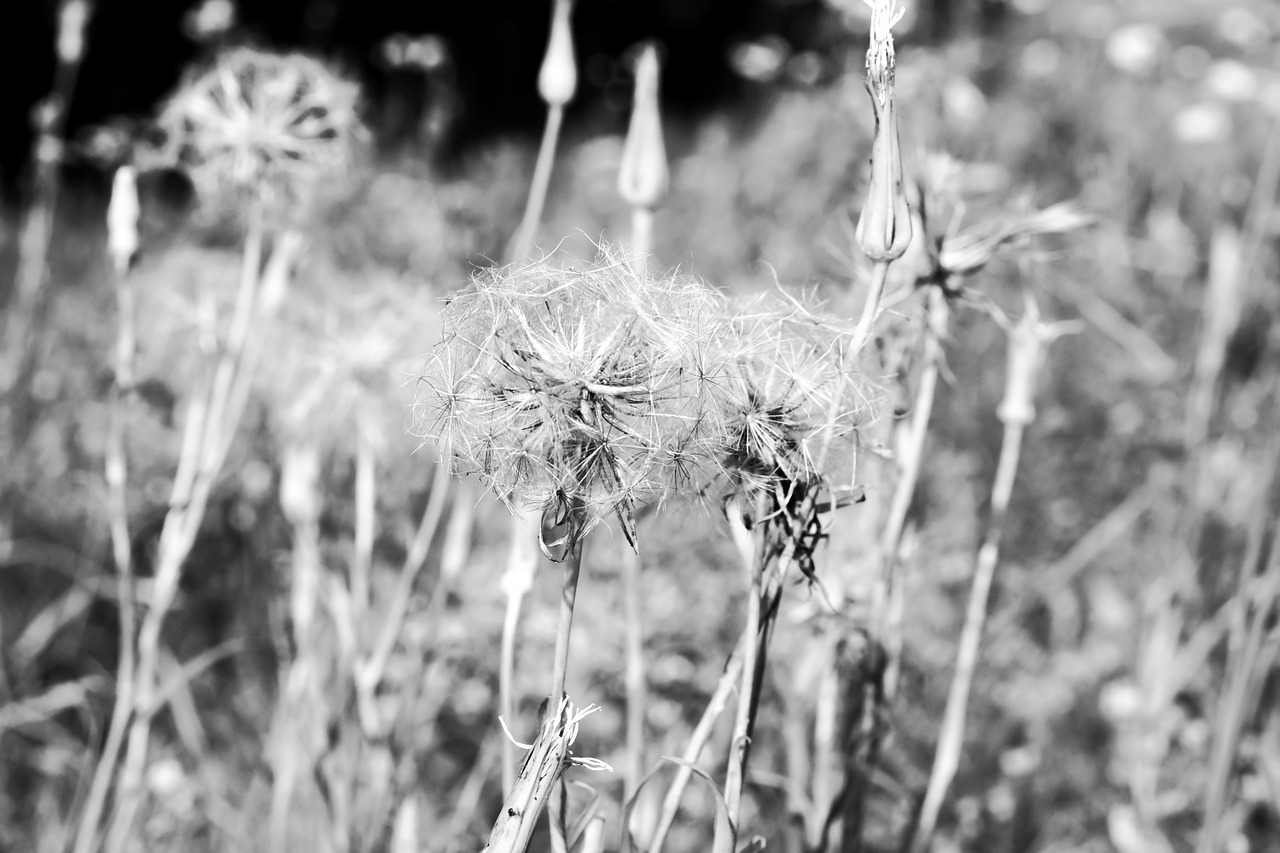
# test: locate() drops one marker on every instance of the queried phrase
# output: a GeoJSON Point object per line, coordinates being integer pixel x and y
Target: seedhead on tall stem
{"type": "Point", "coordinates": [568, 390]}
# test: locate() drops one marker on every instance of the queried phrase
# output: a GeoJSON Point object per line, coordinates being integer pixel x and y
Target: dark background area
{"type": "Point", "coordinates": [136, 51]}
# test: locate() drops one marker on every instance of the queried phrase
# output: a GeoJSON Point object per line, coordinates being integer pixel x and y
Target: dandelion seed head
{"type": "Point", "coordinates": [557, 385]}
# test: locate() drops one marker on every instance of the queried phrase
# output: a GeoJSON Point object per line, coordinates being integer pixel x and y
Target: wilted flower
{"type": "Point", "coordinates": [261, 123]}
{"type": "Point", "coordinates": [571, 390]}
{"type": "Point", "coordinates": [884, 228]}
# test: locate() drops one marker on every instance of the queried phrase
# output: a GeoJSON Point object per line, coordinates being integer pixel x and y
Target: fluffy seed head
{"type": "Point", "coordinates": [570, 388]}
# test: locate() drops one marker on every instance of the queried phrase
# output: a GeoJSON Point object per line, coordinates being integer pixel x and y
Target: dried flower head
{"type": "Point", "coordinates": [261, 123]}
{"type": "Point", "coordinates": [797, 396]}
{"type": "Point", "coordinates": [571, 389]}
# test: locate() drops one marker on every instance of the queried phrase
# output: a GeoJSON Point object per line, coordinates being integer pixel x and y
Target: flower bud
{"type": "Point", "coordinates": [643, 175]}
{"type": "Point", "coordinates": [558, 78]}
{"type": "Point", "coordinates": [122, 218]}
{"type": "Point", "coordinates": [884, 228]}
{"type": "Point", "coordinates": [72, 19]}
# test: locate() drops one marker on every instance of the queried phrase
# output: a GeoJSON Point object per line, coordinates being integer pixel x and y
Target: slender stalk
{"type": "Point", "coordinates": [117, 475]}
{"type": "Point", "coordinates": [365, 522]}
{"type": "Point", "coordinates": [517, 580]}
{"type": "Point", "coordinates": [870, 308]}
{"type": "Point", "coordinates": [210, 426]}
{"type": "Point", "coordinates": [739, 748]}
{"type": "Point", "coordinates": [371, 670]}
{"type": "Point", "coordinates": [698, 741]}
{"type": "Point", "coordinates": [526, 233]}
{"type": "Point", "coordinates": [636, 681]}
{"type": "Point", "coordinates": [947, 758]}
{"type": "Point", "coordinates": [568, 597]}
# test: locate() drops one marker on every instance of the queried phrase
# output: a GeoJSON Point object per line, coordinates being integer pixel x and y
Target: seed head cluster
{"type": "Point", "coordinates": [591, 390]}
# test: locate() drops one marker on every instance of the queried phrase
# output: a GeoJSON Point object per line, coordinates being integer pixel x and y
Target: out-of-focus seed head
{"type": "Point", "coordinates": [884, 228]}
{"type": "Point", "coordinates": [558, 78]}
{"type": "Point", "coordinates": [262, 125]}
{"type": "Point", "coordinates": [643, 175]}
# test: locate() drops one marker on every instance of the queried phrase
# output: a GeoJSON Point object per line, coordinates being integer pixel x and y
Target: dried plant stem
{"type": "Point", "coordinates": [698, 741]}
{"type": "Point", "coordinates": [1252, 653]}
{"type": "Point", "coordinates": [526, 233]}
{"type": "Point", "coordinates": [210, 427]}
{"type": "Point", "coordinates": [122, 552]}
{"type": "Point", "coordinates": [568, 597]}
{"type": "Point", "coordinates": [951, 739]}
{"type": "Point", "coordinates": [293, 726]}
{"type": "Point", "coordinates": [910, 458]}
{"type": "Point", "coordinates": [522, 564]}
{"type": "Point", "coordinates": [636, 681]}
{"type": "Point", "coordinates": [642, 219]}
{"type": "Point", "coordinates": [739, 748]}
{"type": "Point", "coordinates": [370, 671]}
{"type": "Point", "coordinates": [871, 308]}
{"type": "Point", "coordinates": [365, 522]}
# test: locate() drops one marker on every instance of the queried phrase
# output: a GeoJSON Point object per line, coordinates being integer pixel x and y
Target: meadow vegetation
{"type": "Point", "coordinates": [889, 466]}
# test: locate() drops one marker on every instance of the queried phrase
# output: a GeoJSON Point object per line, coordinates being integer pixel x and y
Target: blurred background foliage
{"type": "Point", "coordinates": [1093, 715]}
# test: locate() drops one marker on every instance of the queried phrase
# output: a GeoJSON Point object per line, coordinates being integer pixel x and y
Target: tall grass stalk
{"type": "Point", "coordinates": [1028, 339]}
{"type": "Point", "coordinates": [1252, 654]}
{"type": "Point", "coordinates": [122, 238]}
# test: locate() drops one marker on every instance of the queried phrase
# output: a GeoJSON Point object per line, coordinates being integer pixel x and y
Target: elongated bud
{"type": "Point", "coordinates": [72, 19]}
{"type": "Point", "coordinates": [884, 228]}
{"type": "Point", "coordinates": [122, 219]}
{"type": "Point", "coordinates": [643, 175]}
{"type": "Point", "coordinates": [558, 79]}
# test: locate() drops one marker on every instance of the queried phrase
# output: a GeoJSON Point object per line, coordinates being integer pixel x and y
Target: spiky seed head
{"type": "Point", "coordinates": [261, 124]}
{"type": "Point", "coordinates": [797, 396]}
{"type": "Point", "coordinates": [568, 388]}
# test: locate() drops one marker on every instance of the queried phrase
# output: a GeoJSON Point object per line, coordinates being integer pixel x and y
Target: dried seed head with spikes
{"type": "Point", "coordinates": [572, 390]}
{"type": "Point", "coordinates": [260, 124]}
{"type": "Point", "coordinates": [796, 397]}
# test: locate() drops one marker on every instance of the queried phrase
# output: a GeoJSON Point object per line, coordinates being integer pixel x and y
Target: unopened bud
{"type": "Point", "coordinates": [123, 213]}
{"type": "Point", "coordinates": [71, 24]}
{"type": "Point", "coordinates": [558, 79]}
{"type": "Point", "coordinates": [643, 175]}
{"type": "Point", "coordinates": [884, 228]}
